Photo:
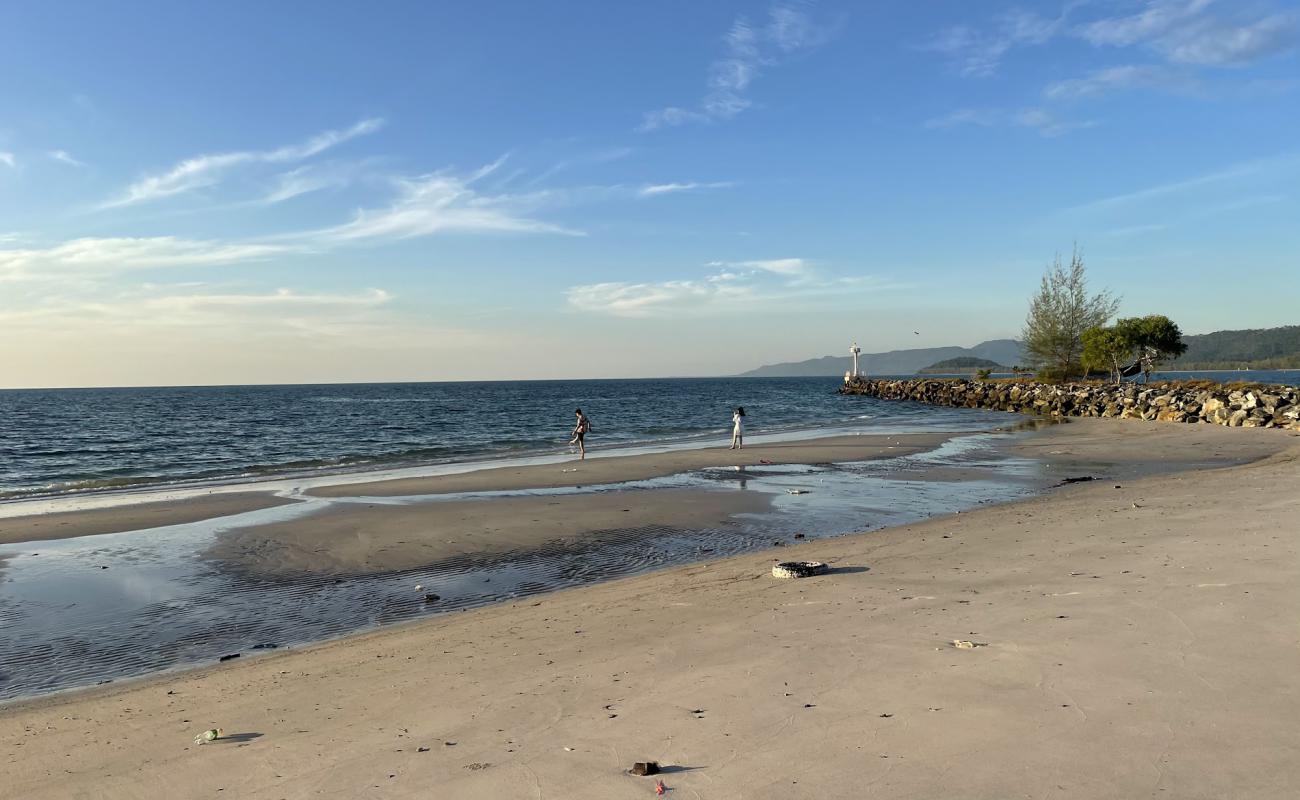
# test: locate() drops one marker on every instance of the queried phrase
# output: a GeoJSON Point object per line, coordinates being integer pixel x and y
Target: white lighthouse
{"type": "Point", "coordinates": [854, 350]}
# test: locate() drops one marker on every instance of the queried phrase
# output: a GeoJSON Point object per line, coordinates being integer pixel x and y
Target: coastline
{"type": "Point", "coordinates": [136, 511]}
{"type": "Point", "coordinates": [133, 516]}
{"type": "Point", "coordinates": [1111, 620]}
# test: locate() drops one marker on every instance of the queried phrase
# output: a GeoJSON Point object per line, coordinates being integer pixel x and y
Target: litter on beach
{"type": "Point", "coordinates": [210, 735]}
{"type": "Point", "coordinates": [799, 569]}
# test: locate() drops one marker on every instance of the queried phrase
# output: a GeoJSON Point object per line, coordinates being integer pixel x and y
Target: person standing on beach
{"type": "Point", "coordinates": [738, 428]}
{"type": "Point", "coordinates": [580, 432]}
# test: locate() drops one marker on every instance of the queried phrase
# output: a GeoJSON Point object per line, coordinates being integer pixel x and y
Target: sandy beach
{"type": "Point", "coordinates": [1131, 636]}
{"type": "Point", "coordinates": [597, 469]}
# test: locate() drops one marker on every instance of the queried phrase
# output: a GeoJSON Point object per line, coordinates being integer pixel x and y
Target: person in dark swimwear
{"type": "Point", "coordinates": [580, 432]}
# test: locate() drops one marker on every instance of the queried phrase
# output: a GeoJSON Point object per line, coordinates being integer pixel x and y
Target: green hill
{"type": "Point", "coordinates": [962, 364]}
{"type": "Point", "coordinates": [1268, 348]}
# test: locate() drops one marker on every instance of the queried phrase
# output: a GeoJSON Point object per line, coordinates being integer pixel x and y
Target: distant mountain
{"type": "Point", "coordinates": [894, 362]}
{"type": "Point", "coordinates": [962, 364]}
{"type": "Point", "coordinates": [1268, 348]}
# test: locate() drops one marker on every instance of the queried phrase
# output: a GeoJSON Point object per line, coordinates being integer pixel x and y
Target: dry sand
{"type": "Point", "coordinates": [359, 538]}
{"type": "Point", "coordinates": [1133, 642]}
{"type": "Point", "coordinates": [137, 516]}
{"type": "Point", "coordinates": [597, 469]}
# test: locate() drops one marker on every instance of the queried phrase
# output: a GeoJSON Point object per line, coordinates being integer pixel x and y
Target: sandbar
{"type": "Point", "coordinates": [597, 469]}
{"type": "Point", "coordinates": [133, 516]}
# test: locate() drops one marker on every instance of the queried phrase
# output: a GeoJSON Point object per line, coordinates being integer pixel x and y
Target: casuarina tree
{"type": "Point", "coordinates": [1059, 314]}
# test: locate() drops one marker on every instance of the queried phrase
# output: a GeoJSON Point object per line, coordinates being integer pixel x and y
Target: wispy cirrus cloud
{"type": "Point", "coordinates": [1283, 167]}
{"type": "Point", "coordinates": [208, 170]}
{"type": "Point", "coordinates": [8, 159]}
{"type": "Point", "coordinates": [312, 178]}
{"type": "Point", "coordinates": [149, 308]}
{"type": "Point", "coordinates": [982, 117]}
{"type": "Point", "coordinates": [1189, 32]}
{"type": "Point", "coordinates": [64, 157]}
{"type": "Point", "coordinates": [735, 286]}
{"type": "Point", "coordinates": [444, 203]}
{"type": "Point", "coordinates": [649, 190]}
{"type": "Point", "coordinates": [1225, 45]}
{"type": "Point", "coordinates": [979, 54]}
{"type": "Point", "coordinates": [779, 266]}
{"type": "Point", "coordinates": [1040, 120]}
{"type": "Point", "coordinates": [603, 156]}
{"type": "Point", "coordinates": [1121, 78]}
{"type": "Point", "coordinates": [1183, 33]}
{"type": "Point", "coordinates": [748, 48]}
{"type": "Point", "coordinates": [1156, 19]}
{"type": "Point", "coordinates": [102, 256]}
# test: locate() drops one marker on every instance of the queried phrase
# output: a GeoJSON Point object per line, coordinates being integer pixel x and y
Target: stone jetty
{"type": "Point", "coordinates": [1237, 405]}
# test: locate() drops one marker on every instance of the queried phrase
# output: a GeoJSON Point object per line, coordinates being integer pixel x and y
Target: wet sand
{"type": "Point", "coordinates": [361, 539]}
{"type": "Point", "coordinates": [132, 517]}
{"type": "Point", "coordinates": [1130, 642]}
{"type": "Point", "coordinates": [597, 469]}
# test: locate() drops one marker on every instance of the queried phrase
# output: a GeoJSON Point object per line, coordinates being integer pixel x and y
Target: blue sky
{"type": "Point", "coordinates": [283, 192]}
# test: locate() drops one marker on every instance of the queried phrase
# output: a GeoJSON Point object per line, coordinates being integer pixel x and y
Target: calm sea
{"type": "Point", "coordinates": [78, 440]}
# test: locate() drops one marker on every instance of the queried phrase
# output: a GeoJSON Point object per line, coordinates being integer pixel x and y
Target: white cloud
{"type": "Point", "coordinates": [982, 117]}
{"type": "Point", "coordinates": [1228, 45]}
{"type": "Point", "coordinates": [669, 188]}
{"type": "Point", "coordinates": [65, 157]}
{"type": "Point", "coordinates": [978, 54]}
{"type": "Point", "coordinates": [207, 170]}
{"type": "Point", "coordinates": [443, 203]}
{"type": "Point", "coordinates": [1047, 123]}
{"type": "Point", "coordinates": [651, 299]}
{"type": "Point", "coordinates": [1104, 81]}
{"type": "Point", "coordinates": [294, 183]}
{"type": "Point", "coordinates": [149, 308]}
{"type": "Point", "coordinates": [746, 49]}
{"type": "Point", "coordinates": [1157, 19]}
{"type": "Point", "coordinates": [104, 256]}
{"type": "Point", "coordinates": [1279, 168]}
{"type": "Point", "coordinates": [599, 157]}
{"type": "Point", "coordinates": [8, 159]}
{"type": "Point", "coordinates": [780, 266]}
{"type": "Point", "coordinates": [1185, 32]}
{"type": "Point", "coordinates": [736, 286]}
{"type": "Point", "coordinates": [1040, 120]}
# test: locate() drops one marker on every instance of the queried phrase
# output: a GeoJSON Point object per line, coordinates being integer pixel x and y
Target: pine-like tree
{"type": "Point", "coordinates": [1059, 314]}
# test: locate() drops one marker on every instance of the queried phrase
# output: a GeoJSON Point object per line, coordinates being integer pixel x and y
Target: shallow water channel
{"type": "Point", "coordinates": [83, 611]}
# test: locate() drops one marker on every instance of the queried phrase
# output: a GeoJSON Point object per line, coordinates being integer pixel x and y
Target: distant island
{"type": "Point", "coordinates": [1266, 348]}
{"type": "Point", "coordinates": [962, 365]}
{"type": "Point", "coordinates": [894, 362]}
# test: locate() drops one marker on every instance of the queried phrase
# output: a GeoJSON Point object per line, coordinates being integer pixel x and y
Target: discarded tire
{"type": "Point", "coordinates": [799, 569]}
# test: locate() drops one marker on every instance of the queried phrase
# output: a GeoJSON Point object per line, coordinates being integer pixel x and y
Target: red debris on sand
{"type": "Point", "coordinates": [660, 788]}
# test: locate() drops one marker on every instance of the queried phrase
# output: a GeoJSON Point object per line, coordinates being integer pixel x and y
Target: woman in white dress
{"type": "Point", "coordinates": [738, 428]}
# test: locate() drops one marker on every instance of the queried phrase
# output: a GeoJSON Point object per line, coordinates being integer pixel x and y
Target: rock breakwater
{"type": "Point", "coordinates": [1236, 406]}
